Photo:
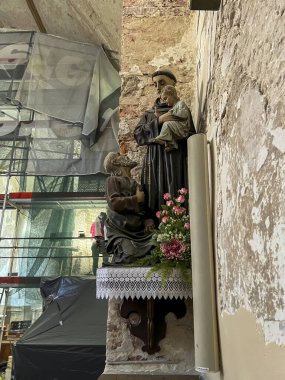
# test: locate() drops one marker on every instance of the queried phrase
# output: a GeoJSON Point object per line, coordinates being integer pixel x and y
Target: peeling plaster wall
{"type": "Point", "coordinates": [205, 39]}
{"type": "Point", "coordinates": [249, 358]}
{"type": "Point", "coordinates": [154, 34]}
{"type": "Point", "coordinates": [243, 110]}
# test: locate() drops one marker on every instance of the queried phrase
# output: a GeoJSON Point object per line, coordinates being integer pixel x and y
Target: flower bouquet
{"type": "Point", "coordinates": [171, 241]}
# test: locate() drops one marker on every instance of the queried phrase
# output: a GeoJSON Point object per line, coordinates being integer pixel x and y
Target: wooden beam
{"type": "Point", "coordinates": [36, 15]}
{"type": "Point", "coordinates": [205, 5]}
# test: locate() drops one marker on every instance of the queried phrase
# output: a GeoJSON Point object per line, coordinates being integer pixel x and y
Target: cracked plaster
{"type": "Point", "coordinates": [244, 114]}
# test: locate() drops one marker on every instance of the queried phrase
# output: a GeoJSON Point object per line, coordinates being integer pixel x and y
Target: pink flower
{"type": "Point", "coordinates": [164, 219]}
{"type": "Point", "coordinates": [180, 199]}
{"type": "Point", "coordinates": [187, 226]}
{"type": "Point", "coordinates": [169, 203]}
{"type": "Point", "coordinates": [183, 191]}
{"type": "Point", "coordinates": [158, 214]}
{"type": "Point", "coordinates": [173, 250]}
{"type": "Point", "coordinates": [166, 196]}
{"type": "Point", "coordinates": [179, 210]}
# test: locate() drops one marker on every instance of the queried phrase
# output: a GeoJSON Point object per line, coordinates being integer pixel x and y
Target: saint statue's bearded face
{"type": "Point", "coordinates": [160, 81]}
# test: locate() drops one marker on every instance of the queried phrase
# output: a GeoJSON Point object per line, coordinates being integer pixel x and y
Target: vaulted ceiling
{"type": "Point", "coordinates": [92, 21]}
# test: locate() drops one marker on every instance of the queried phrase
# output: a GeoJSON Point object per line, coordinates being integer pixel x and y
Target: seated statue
{"type": "Point", "coordinates": [129, 229]}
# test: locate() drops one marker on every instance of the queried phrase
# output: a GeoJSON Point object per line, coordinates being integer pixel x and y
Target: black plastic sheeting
{"type": "Point", "coordinates": [67, 342]}
{"type": "Point", "coordinates": [58, 362]}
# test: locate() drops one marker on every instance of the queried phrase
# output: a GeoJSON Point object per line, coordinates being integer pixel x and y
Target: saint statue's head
{"type": "Point", "coordinates": [116, 163]}
{"type": "Point", "coordinates": [163, 77]}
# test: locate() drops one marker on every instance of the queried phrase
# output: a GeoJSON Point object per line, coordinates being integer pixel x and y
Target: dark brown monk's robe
{"type": "Point", "coordinates": [126, 238]}
{"type": "Point", "coordinates": [162, 172]}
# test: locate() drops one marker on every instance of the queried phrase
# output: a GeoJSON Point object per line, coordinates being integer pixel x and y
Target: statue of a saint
{"type": "Point", "coordinates": [129, 228]}
{"type": "Point", "coordinates": [162, 171]}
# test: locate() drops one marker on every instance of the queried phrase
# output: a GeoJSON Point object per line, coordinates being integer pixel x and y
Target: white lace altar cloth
{"type": "Point", "coordinates": [132, 283]}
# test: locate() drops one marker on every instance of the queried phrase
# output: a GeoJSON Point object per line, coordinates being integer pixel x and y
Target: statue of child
{"type": "Point", "coordinates": [176, 122]}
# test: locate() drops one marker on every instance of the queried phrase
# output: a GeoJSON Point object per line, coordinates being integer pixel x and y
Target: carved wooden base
{"type": "Point", "coordinates": [151, 327]}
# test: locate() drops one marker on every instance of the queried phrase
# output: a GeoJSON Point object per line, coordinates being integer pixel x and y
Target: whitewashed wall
{"type": "Point", "coordinates": [241, 78]}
